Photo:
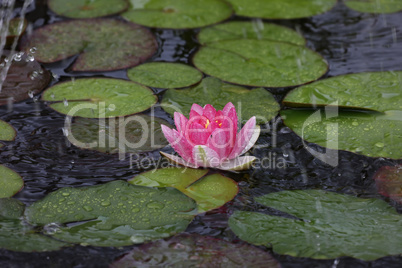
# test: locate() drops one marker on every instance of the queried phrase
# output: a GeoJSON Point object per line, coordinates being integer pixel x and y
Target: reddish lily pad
{"type": "Point", "coordinates": [103, 44]}
{"type": "Point", "coordinates": [389, 182]}
{"type": "Point", "coordinates": [14, 30]}
{"type": "Point", "coordinates": [10, 182]}
{"type": "Point", "coordinates": [209, 192]}
{"type": "Point", "coordinates": [196, 251]}
{"type": "Point", "coordinates": [79, 9]}
{"type": "Point", "coordinates": [133, 134]}
{"type": "Point", "coordinates": [25, 77]}
{"type": "Point", "coordinates": [178, 14]}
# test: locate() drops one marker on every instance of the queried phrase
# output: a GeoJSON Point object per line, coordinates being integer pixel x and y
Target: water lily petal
{"type": "Point", "coordinates": [179, 143]}
{"type": "Point", "coordinates": [197, 134]}
{"type": "Point", "coordinates": [229, 106]}
{"type": "Point", "coordinates": [209, 112]}
{"type": "Point", "coordinates": [205, 157]}
{"type": "Point", "coordinates": [222, 140]}
{"type": "Point", "coordinates": [196, 110]}
{"type": "Point", "coordinates": [180, 121]}
{"type": "Point", "coordinates": [246, 138]}
{"type": "Point", "coordinates": [238, 163]}
{"type": "Point", "coordinates": [178, 160]}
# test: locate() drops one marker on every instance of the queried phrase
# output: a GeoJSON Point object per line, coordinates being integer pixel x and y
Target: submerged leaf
{"type": "Point", "coordinates": [260, 63]}
{"type": "Point", "coordinates": [257, 102]}
{"type": "Point", "coordinates": [178, 14]}
{"type": "Point", "coordinates": [196, 251]}
{"type": "Point", "coordinates": [330, 226]}
{"type": "Point", "coordinates": [389, 182]}
{"type": "Point", "coordinates": [103, 44]}
{"type": "Point", "coordinates": [113, 214]}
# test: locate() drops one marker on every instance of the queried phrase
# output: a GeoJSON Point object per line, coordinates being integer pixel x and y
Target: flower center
{"type": "Point", "coordinates": [207, 123]}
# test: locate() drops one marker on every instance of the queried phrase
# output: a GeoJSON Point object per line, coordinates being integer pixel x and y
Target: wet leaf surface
{"type": "Point", "coordinates": [165, 75]}
{"type": "Point", "coordinates": [256, 102]}
{"type": "Point", "coordinates": [99, 97]}
{"type": "Point", "coordinates": [79, 9]}
{"type": "Point", "coordinates": [112, 214]}
{"type": "Point", "coordinates": [368, 127]}
{"type": "Point", "coordinates": [10, 182]}
{"type": "Point", "coordinates": [102, 44]}
{"type": "Point", "coordinates": [14, 30]}
{"type": "Point", "coordinates": [133, 134]}
{"type": "Point", "coordinates": [375, 6]}
{"type": "Point", "coordinates": [330, 225]}
{"type": "Point", "coordinates": [24, 79]}
{"type": "Point", "coordinates": [260, 63]}
{"type": "Point", "coordinates": [209, 192]}
{"type": "Point", "coordinates": [281, 9]}
{"type": "Point", "coordinates": [196, 251]}
{"type": "Point", "coordinates": [250, 30]}
{"type": "Point", "coordinates": [18, 236]}
{"type": "Point", "coordinates": [389, 182]}
{"type": "Point", "coordinates": [178, 14]}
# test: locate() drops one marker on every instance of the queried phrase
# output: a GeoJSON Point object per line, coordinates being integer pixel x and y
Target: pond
{"type": "Point", "coordinates": [300, 203]}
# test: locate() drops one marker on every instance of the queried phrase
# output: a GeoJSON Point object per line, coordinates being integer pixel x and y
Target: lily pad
{"type": "Point", "coordinates": [10, 182]}
{"type": "Point", "coordinates": [103, 44]}
{"type": "Point", "coordinates": [7, 132]}
{"type": "Point", "coordinates": [133, 134]}
{"type": "Point", "coordinates": [178, 14]}
{"type": "Point", "coordinates": [113, 214]}
{"type": "Point", "coordinates": [196, 251]}
{"type": "Point", "coordinates": [78, 9]}
{"type": "Point", "coordinates": [99, 97]}
{"type": "Point", "coordinates": [281, 9]}
{"type": "Point", "coordinates": [17, 236]}
{"type": "Point", "coordinates": [389, 182]}
{"type": "Point", "coordinates": [328, 226]}
{"type": "Point", "coordinates": [257, 102]}
{"type": "Point", "coordinates": [368, 127]}
{"type": "Point", "coordinates": [25, 77]}
{"type": "Point", "coordinates": [209, 192]}
{"type": "Point", "coordinates": [14, 30]}
{"type": "Point", "coordinates": [375, 6]}
{"type": "Point", "coordinates": [165, 75]}
{"type": "Point", "coordinates": [260, 63]}
{"type": "Point", "coordinates": [250, 30]}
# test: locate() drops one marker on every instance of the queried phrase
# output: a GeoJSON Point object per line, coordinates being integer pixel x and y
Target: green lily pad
{"type": "Point", "coordinates": [256, 102]}
{"type": "Point", "coordinates": [10, 182]}
{"type": "Point", "coordinates": [113, 214]}
{"type": "Point", "coordinates": [375, 6]}
{"type": "Point", "coordinates": [209, 192]}
{"type": "Point", "coordinates": [165, 75]}
{"type": "Point", "coordinates": [133, 134]}
{"type": "Point", "coordinates": [368, 127]}
{"type": "Point", "coordinates": [330, 225]}
{"type": "Point", "coordinates": [196, 251]}
{"type": "Point", "coordinates": [7, 132]}
{"type": "Point", "coordinates": [260, 63]}
{"type": "Point", "coordinates": [250, 30]}
{"type": "Point", "coordinates": [17, 236]}
{"type": "Point", "coordinates": [14, 30]}
{"type": "Point", "coordinates": [281, 9]}
{"type": "Point", "coordinates": [11, 209]}
{"type": "Point", "coordinates": [103, 44]}
{"type": "Point", "coordinates": [79, 9]}
{"type": "Point", "coordinates": [177, 14]}
{"type": "Point", "coordinates": [389, 182]}
{"type": "Point", "coordinates": [99, 97]}
{"type": "Point", "coordinates": [24, 79]}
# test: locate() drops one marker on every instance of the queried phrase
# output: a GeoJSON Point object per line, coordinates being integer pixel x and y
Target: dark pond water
{"type": "Point", "coordinates": [348, 40]}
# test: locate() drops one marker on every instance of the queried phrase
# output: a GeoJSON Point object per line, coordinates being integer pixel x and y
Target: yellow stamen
{"type": "Point", "coordinates": [219, 124]}
{"type": "Point", "coordinates": [207, 124]}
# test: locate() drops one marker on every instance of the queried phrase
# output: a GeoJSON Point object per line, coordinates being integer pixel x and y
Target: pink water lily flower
{"type": "Point", "coordinates": [209, 138]}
